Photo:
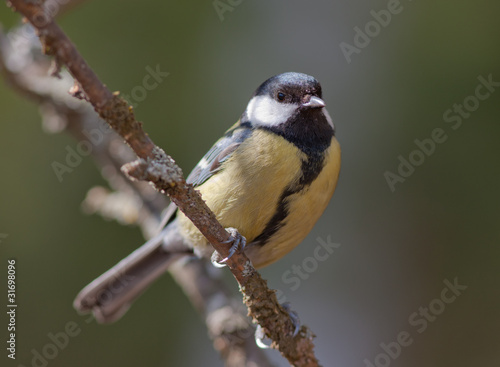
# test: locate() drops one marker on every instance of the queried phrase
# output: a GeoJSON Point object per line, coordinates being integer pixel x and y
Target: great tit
{"type": "Point", "coordinates": [270, 176]}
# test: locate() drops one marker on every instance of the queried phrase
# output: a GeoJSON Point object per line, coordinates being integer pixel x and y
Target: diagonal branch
{"type": "Point", "coordinates": [138, 203]}
{"type": "Point", "coordinates": [160, 169]}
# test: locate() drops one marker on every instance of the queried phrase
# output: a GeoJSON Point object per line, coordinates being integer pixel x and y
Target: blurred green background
{"type": "Point", "coordinates": [396, 248]}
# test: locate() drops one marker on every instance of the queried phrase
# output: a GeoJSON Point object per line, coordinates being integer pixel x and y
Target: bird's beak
{"type": "Point", "coordinates": [314, 102]}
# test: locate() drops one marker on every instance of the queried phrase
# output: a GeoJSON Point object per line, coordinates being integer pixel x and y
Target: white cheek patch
{"type": "Point", "coordinates": [265, 111]}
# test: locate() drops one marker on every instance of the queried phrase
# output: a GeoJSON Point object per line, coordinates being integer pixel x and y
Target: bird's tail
{"type": "Point", "coordinates": [110, 295]}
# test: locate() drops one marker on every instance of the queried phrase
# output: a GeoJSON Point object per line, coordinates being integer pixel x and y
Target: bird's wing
{"type": "Point", "coordinates": [220, 152]}
{"type": "Point", "coordinates": [211, 163]}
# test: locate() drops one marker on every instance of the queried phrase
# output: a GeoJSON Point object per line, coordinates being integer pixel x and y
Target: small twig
{"type": "Point", "coordinates": [160, 169]}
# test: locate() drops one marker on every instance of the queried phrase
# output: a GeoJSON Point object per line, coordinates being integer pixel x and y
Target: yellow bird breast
{"type": "Point", "coordinates": [247, 192]}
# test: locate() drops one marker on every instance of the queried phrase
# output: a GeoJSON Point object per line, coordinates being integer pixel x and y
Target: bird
{"type": "Point", "coordinates": [269, 178]}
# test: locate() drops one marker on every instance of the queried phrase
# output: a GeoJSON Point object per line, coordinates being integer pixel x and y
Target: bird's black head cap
{"type": "Point", "coordinates": [292, 87]}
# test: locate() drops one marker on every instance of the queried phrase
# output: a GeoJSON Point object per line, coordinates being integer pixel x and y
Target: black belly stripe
{"type": "Point", "coordinates": [310, 171]}
{"type": "Point", "coordinates": [310, 132]}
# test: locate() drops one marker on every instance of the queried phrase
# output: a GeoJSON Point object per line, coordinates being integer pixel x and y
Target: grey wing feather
{"type": "Point", "coordinates": [211, 163]}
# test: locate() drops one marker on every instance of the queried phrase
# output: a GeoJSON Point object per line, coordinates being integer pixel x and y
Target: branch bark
{"type": "Point", "coordinates": [160, 169]}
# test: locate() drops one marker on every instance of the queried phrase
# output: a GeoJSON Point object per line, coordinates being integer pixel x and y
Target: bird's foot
{"type": "Point", "coordinates": [294, 317]}
{"type": "Point", "coordinates": [238, 243]}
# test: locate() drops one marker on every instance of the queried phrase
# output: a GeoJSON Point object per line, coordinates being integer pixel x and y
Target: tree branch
{"type": "Point", "coordinates": [132, 202]}
{"type": "Point", "coordinates": [160, 169]}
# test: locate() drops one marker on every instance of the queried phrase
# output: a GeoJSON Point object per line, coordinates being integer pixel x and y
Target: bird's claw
{"type": "Point", "coordinates": [294, 316]}
{"type": "Point", "coordinates": [259, 338]}
{"type": "Point", "coordinates": [238, 242]}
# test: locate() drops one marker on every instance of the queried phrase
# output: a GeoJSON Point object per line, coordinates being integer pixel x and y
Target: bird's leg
{"type": "Point", "coordinates": [237, 241]}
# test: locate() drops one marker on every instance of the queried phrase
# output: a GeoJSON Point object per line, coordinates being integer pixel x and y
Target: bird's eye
{"type": "Point", "coordinates": [281, 96]}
